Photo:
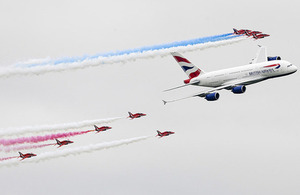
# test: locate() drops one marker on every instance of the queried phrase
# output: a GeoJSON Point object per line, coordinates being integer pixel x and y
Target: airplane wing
{"type": "Point", "coordinates": [200, 94]}
{"type": "Point", "coordinates": [261, 55]}
{"type": "Point", "coordinates": [225, 86]}
{"type": "Point", "coordinates": [194, 83]}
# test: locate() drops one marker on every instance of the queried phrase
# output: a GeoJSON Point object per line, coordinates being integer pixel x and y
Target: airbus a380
{"type": "Point", "coordinates": [234, 79]}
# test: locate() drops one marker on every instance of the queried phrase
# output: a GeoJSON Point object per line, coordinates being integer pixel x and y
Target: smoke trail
{"type": "Point", "coordinates": [39, 62]}
{"type": "Point", "coordinates": [23, 147]}
{"type": "Point", "coordinates": [8, 158]}
{"type": "Point", "coordinates": [55, 127]}
{"type": "Point", "coordinates": [76, 151]}
{"type": "Point", "coordinates": [36, 139]}
{"type": "Point", "coordinates": [64, 65]}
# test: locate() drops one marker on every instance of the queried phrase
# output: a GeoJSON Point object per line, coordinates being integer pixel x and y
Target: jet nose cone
{"type": "Point", "coordinates": [292, 68]}
{"type": "Point", "coordinates": [295, 68]}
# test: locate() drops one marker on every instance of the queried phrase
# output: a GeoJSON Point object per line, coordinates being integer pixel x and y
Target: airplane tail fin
{"type": "Point", "coordinates": [235, 31]}
{"type": "Point", "coordinates": [57, 141]}
{"type": "Point", "coordinates": [158, 133]}
{"type": "Point", "coordinates": [20, 154]}
{"type": "Point", "coordinates": [95, 127]}
{"type": "Point", "coordinates": [190, 69]}
{"type": "Point", "coordinates": [130, 114]}
{"type": "Point", "coordinates": [254, 36]}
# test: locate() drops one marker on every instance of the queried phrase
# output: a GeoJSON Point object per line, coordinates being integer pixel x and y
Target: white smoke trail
{"type": "Point", "coordinates": [55, 127]}
{"type": "Point", "coordinates": [36, 70]}
{"type": "Point", "coordinates": [74, 151]}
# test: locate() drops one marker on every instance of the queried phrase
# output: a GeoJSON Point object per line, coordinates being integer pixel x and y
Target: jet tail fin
{"type": "Point", "coordinates": [95, 127]}
{"type": "Point", "coordinates": [158, 133]}
{"type": "Point", "coordinates": [235, 31]}
{"type": "Point", "coordinates": [21, 155]}
{"type": "Point", "coordinates": [190, 69]}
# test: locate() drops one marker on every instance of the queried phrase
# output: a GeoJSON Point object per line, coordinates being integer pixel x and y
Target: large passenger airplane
{"type": "Point", "coordinates": [234, 79]}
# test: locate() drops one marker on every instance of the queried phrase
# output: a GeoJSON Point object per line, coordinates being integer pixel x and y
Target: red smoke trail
{"type": "Point", "coordinates": [7, 158]}
{"type": "Point", "coordinates": [36, 139]}
{"type": "Point", "coordinates": [24, 147]}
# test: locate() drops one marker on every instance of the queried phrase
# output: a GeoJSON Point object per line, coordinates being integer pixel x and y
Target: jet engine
{"type": "Point", "coordinates": [212, 96]}
{"type": "Point", "coordinates": [274, 58]}
{"type": "Point", "coordinates": [239, 89]}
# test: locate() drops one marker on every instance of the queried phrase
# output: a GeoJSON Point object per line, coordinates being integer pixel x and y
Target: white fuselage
{"type": "Point", "coordinates": [251, 73]}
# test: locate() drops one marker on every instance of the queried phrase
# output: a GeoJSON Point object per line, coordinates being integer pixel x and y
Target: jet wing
{"type": "Point", "coordinates": [261, 55]}
{"type": "Point", "coordinates": [194, 83]}
{"type": "Point", "coordinates": [228, 85]}
{"type": "Point", "coordinates": [200, 94]}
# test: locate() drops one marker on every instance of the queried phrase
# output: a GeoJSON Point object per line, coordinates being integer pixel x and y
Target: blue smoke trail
{"type": "Point", "coordinates": [136, 50]}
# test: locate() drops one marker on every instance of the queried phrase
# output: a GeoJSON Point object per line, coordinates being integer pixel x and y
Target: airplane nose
{"type": "Point", "coordinates": [295, 68]}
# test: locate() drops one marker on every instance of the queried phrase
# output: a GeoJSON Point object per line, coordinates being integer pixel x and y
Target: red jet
{"type": "Point", "coordinates": [137, 115]}
{"type": "Point", "coordinates": [251, 33]}
{"type": "Point", "coordinates": [163, 134]}
{"type": "Point", "coordinates": [260, 36]}
{"type": "Point", "coordinates": [63, 143]}
{"type": "Point", "coordinates": [240, 32]}
{"type": "Point", "coordinates": [27, 155]}
{"type": "Point", "coordinates": [103, 128]}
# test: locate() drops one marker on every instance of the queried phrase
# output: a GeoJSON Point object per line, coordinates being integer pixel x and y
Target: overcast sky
{"type": "Point", "coordinates": [240, 144]}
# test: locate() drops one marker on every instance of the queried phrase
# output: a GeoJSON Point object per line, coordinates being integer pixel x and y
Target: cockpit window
{"type": "Point", "coordinates": [290, 65]}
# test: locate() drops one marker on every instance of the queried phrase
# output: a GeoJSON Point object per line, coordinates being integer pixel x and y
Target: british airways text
{"type": "Point", "coordinates": [261, 72]}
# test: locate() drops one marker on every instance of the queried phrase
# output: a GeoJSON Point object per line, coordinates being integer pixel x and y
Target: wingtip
{"type": "Point", "coordinates": [165, 102]}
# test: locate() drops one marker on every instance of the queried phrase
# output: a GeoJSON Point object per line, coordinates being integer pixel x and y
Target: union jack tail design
{"type": "Point", "coordinates": [190, 69]}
